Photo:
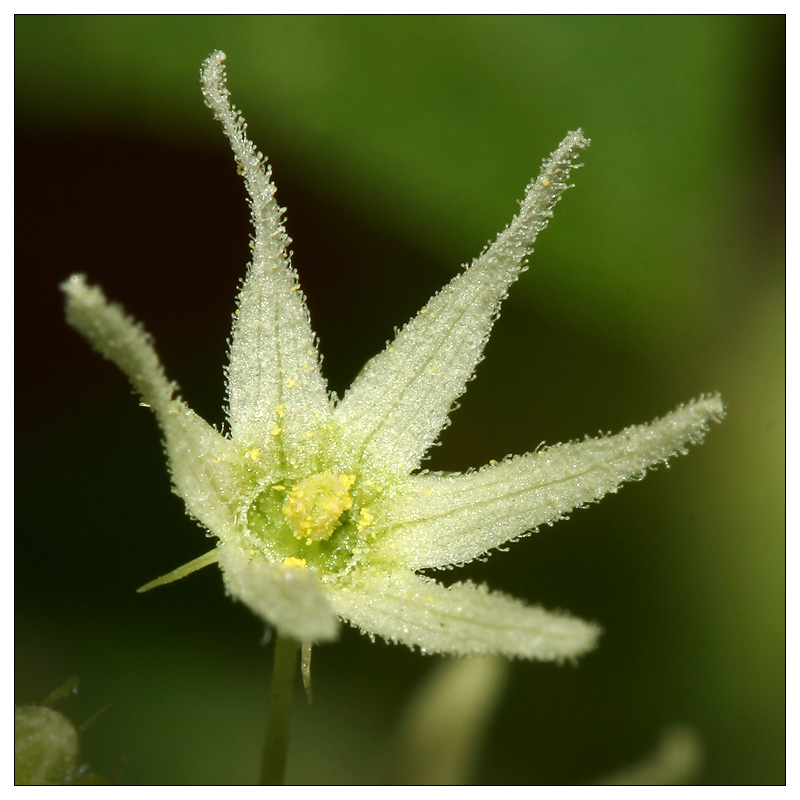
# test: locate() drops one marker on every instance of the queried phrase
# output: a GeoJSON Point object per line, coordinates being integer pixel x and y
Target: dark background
{"type": "Point", "coordinates": [400, 145]}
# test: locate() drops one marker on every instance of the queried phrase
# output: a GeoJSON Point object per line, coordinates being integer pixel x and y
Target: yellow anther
{"type": "Point", "coordinates": [281, 412]}
{"type": "Point", "coordinates": [294, 563]}
{"type": "Point", "coordinates": [296, 287]}
{"type": "Point", "coordinates": [254, 454]}
{"type": "Point", "coordinates": [427, 492]}
{"type": "Point", "coordinates": [315, 505]}
{"type": "Point", "coordinates": [279, 487]}
{"type": "Point", "coordinates": [276, 430]}
{"type": "Point", "coordinates": [545, 181]}
{"type": "Point", "coordinates": [290, 383]}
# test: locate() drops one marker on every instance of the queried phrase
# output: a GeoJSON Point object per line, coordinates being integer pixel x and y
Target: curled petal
{"type": "Point", "coordinates": [288, 597]}
{"type": "Point", "coordinates": [463, 619]}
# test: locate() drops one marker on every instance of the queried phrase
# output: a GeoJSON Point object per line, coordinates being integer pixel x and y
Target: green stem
{"type": "Point", "coordinates": [276, 740]}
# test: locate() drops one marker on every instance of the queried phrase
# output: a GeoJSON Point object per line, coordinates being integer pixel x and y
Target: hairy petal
{"type": "Point", "coordinates": [399, 403]}
{"type": "Point", "coordinates": [277, 396]}
{"type": "Point", "coordinates": [463, 619]}
{"type": "Point", "coordinates": [199, 456]}
{"type": "Point", "coordinates": [289, 598]}
{"type": "Point", "coordinates": [439, 520]}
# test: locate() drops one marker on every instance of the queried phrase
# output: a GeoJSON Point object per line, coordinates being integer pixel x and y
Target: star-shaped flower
{"type": "Point", "coordinates": [319, 506]}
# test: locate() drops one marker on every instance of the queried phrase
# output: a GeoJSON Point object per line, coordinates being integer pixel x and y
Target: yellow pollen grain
{"type": "Point", "coordinates": [290, 383]}
{"type": "Point", "coordinates": [365, 519]}
{"type": "Point", "coordinates": [254, 454]}
{"type": "Point", "coordinates": [492, 462]}
{"type": "Point", "coordinates": [276, 430]}
{"type": "Point", "coordinates": [545, 181]}
{"type": "Point", "coordinates": [279, 487]}
{"type": "Point", "coordinates": [281, 412]}
{"type": "Point", "coordinates": [427, 492]}
{"type": "Point", "coordinates": [294, 563]}
{"type": "Point", "coordinates": [296, 287]}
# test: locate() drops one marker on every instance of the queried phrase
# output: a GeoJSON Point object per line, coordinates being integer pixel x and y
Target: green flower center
{"type": "Point", "coordinates": [322, 520]}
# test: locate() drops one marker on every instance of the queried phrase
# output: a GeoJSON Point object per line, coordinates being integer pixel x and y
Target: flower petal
{"type": "Point", "coordinates": [199, 456]}
{"type": "Point", "coordinates": [440, 520]}
{"type": "Point", "coordinates": [399, 403]}
{"type": "Point", "coordinates": [290, 598]}
{"type": "Point", "coordinates": [277, 396]}
{"type": "Point", "coordinates": [463, 619]}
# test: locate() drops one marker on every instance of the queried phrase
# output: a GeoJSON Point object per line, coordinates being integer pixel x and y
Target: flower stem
{"type": "Point", "coordinates": [276, 739]}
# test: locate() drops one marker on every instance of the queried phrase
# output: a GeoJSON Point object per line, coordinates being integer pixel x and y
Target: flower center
{"type": "Point", "coordinates": [313, 507]}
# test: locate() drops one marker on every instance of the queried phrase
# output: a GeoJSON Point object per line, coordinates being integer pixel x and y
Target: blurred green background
{"type": "Point", "coordinates": [400, 145]}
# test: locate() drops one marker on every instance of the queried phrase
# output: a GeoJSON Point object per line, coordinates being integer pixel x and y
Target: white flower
{"type": "Point", "coordinates": [318, 505]}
